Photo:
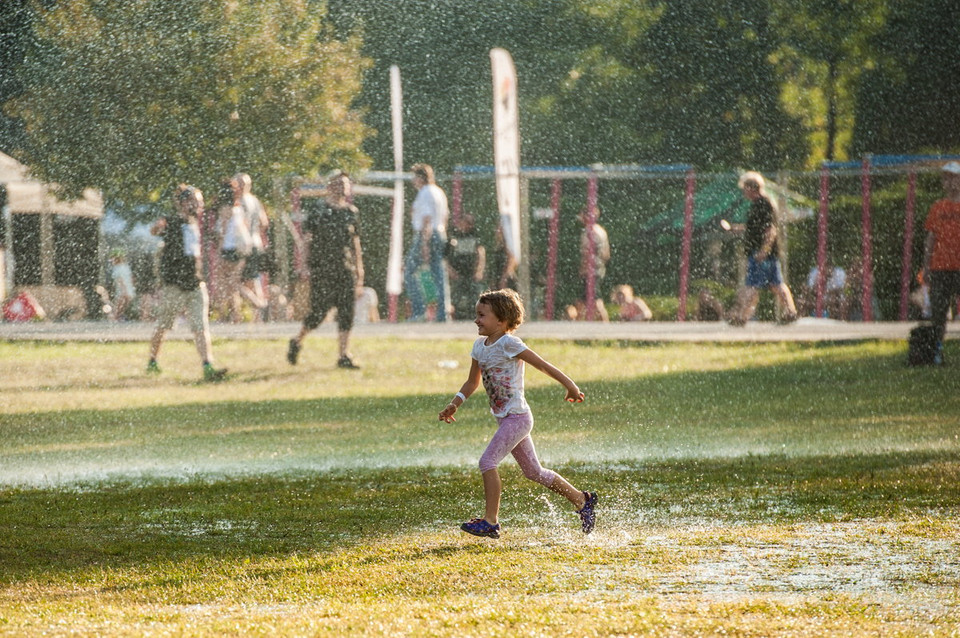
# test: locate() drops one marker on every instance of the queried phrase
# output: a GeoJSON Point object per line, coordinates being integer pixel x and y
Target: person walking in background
{"type": "Point", "coordinates": [257, 222]}
{"type": "Point", "coordinates": [467, 260]}
{"type": "Point", "coordinates": [335, 261]}
{"type": "Point", "coordinates": [180, 274]}
{"type": "Point", "coordinates": [763, 255]}
{"type": "Point", "coordinates": [497, 361]}
{"type": "Point", "coordinates": [941, 252]}
{"type": "Point", "coordinates": [235, 246]}
{"type": "Point", "coordinates": [429, 214]}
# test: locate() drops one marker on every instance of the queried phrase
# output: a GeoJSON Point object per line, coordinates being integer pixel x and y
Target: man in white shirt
{"type": "Point", "coordinates": [429, 215]}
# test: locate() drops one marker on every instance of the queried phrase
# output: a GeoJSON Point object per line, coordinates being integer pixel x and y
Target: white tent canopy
{"type": "Point", "coordinates": [28, 195]}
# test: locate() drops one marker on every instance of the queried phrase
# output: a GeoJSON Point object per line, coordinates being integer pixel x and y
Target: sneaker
{"type": "Point", "coordinates": [480, 527]}
{"type": "Point", "coordinates": [347, 362]}
{"type": "Point", "coordinates": [788, 318]}
{"type": "Point", "coordinates": [588, 518]}
{"type": "Point", "coordinates": [152, 367]}
{"type": "Point", "coordinates": [736, 321]}
{"type": "Point", "coordinates": [213, 374]}
{"type": "Point", "coordinates": [293, 351]}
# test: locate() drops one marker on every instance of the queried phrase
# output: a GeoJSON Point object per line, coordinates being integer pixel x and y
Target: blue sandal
{"type": "Point", "coordinates": [480, 527]}
{"type": "Point", "coordinates": [588, 518]}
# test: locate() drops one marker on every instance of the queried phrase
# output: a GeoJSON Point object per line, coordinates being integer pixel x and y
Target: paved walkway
{"type": "Point", "coordinates": [805, 330]}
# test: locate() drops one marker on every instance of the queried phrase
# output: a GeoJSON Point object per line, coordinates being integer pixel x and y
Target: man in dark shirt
{"type": "Point", "coordinates": [180, 275]}
{"type": "Point", "coordinates": [336, 265]}
{"type": "Point", "coordinates": [763, 256]}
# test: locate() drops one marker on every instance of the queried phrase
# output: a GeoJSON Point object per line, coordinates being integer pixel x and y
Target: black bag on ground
{"type": "Point", "coordinates": [922, 346]}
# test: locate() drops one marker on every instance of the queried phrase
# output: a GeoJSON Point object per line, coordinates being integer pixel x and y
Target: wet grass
{"type": "Point", "coordinates": [769, 489]}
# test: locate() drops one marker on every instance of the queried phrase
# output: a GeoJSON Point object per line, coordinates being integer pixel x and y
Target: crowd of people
{"type": "Point", "coordinates": [447, 267]}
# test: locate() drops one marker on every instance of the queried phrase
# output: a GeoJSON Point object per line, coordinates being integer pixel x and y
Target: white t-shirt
{"type": "Point", "coordinates": [235, 233]}
{"type": "Point", "coordinates": [191, 238]}
{"type": "Point", "coordinates": [430, 202]}
{"type": "Point", "coordinates": [502, 374]}
{"type": "Point", "coordinates": [252, 210]}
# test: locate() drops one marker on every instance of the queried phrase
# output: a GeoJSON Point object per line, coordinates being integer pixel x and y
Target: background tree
{"type": "Point", "coordinates": [15, 22]}
{"type": "Point", "coordinates": [131, 96]}
{"type": "Point", "coordinates": [611, 81]}
{"type": "Point", "coordinates": [910, 100]}
{"type": "Point", "coordinates": [825, 47]}
{"type": "Point", "coordinates": [677, 82]}
{"type": "Point", "coordinates": [442, 48]}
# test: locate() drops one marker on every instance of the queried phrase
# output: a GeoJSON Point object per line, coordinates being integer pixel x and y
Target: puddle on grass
{"type": "Point", "coordinates": [170, 523]}
{"type": "Point", "coordinates": [869, 560]}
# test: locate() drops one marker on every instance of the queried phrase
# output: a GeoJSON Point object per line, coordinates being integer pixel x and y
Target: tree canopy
{"type": "Point", "coordinates": [132, 96]}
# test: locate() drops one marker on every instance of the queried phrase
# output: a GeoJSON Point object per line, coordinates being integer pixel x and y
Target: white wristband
{"type": "Point", "coordinates": [463, 399]}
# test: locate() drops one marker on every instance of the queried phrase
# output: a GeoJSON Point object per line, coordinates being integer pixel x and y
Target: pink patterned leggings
{"type": "Point", "coordinates": [513, 437]}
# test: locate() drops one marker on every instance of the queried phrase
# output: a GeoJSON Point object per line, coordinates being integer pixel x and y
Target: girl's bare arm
{"type": "Point", "coordinates": [469, 387]}
{"type": "Point", "coordinates": [573, 392]}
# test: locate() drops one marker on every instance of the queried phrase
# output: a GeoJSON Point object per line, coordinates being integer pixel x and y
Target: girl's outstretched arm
{"type": "Point", "coordinates": [469, 387]}
{"type": "Point", "coordinates": [531, 357]}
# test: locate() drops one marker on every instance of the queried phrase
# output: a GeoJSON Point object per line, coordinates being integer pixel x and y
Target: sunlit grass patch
{"type": "Point", "coordinates": [769, 489]}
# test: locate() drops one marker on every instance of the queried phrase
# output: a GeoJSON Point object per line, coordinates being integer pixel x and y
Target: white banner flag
{"type": "Point", "coordinates": [506, 147]}
{"type": "Point", "coordinates": [395, 258]}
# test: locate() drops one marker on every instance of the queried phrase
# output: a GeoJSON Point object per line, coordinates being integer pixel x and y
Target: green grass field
{"type": "Point", "coordinates": [748, 490]}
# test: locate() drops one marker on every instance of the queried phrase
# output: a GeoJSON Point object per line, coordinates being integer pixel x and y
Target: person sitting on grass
{"type": "Point", "coordinates": [632, 308]}
{"type": "Point", "coordinates": [497, 361]}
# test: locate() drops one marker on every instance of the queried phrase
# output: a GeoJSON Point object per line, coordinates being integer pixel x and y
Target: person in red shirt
{"type": "Point", "coordinates": [941, 252]}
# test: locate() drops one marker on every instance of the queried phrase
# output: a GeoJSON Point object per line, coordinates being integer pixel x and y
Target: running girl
{"type": "Point", "coordinates": [497, 360]}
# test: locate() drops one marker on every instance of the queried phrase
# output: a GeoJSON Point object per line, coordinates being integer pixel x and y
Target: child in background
{"type": "Point", "coordinates": [497, 360]}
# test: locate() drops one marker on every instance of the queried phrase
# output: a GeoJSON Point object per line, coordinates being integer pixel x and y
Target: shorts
{"type": "Point", "coordinates": [175, 301]}
{"type": "Point", "coordinates": [328, 294]}
{"type": "Point", "coordinates": [231, 255]}
{"type": "Point", "coordinates": [251, 269]}
{"type": "Point", "coordinates": [763, 274]}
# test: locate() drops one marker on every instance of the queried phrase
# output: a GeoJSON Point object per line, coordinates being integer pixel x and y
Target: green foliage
{"type": "Point", "coordinates": [133, 96]}
{"type": "Point", "coordinates": [904, 103]}
{"type": "Point", "coordinates": [824, 48]}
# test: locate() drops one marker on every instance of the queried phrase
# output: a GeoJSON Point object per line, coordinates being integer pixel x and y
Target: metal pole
{"type": "Point", "coordinates": [457, 196]}
{"type": "Point", "coordinates": [867, 244]}
{"type": "Point", "coordinates": [687, 241]}
{"type": "Point", "coordinates": [907, 269]}
{"type": "Point", "coordinates": [553, 239]}
{"type": "Point", "coordinates": [822, 238]}
{"type": "Point", "coordinates": [591, 219]}
{"type": "Point", "coordinates": [523, 270]}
